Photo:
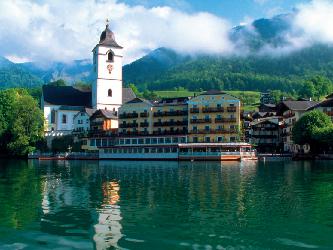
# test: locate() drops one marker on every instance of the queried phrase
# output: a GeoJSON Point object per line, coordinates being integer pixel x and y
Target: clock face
{"type": "Point", "coordinates": [109, 68]}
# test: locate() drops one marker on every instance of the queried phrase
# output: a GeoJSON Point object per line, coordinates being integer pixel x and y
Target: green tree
{"type": "Point", "coordinates": [21, 122]}
{"type": "Point", "coordinates": [306, 128]}
{"type": "Point", "coordinates": [308, 90]}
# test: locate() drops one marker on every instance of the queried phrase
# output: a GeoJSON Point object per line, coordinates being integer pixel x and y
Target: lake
{"type": "Point", "coordinates": [166, 205]}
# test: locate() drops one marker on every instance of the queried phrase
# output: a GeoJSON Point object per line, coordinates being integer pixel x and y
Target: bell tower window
{"type": "Point", "coordinates": [110, 93]}
{"type": "Point", "coordinates": [110, 56]}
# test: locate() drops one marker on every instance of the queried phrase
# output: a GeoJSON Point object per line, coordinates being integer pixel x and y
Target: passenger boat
{"type": "Point", "coordinates": [176, 148]}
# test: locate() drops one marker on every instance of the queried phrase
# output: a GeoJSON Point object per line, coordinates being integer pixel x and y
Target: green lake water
{"type": "Point", "coordinates": [166, 205]}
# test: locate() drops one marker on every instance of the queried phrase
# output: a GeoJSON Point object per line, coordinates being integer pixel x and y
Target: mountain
{"type": "Point", "coordinates": [78, 70]}
{"type": "Point", "coordinates": [13, 75]}
{"type": "Point", "coordinates": [165, 69]}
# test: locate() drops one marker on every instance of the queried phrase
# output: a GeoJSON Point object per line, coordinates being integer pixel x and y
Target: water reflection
{"type": "Point", "coordinates": [166, 205]}
{"type": "Point", "coordinates": [108, 229]}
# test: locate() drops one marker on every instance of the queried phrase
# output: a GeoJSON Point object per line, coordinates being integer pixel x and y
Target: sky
{"type": "Point", "coordinates": [236, 11]}
{"type": "Point", "coordinates": [46, 30]}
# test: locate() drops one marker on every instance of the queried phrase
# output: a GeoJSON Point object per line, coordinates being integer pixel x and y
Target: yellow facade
{"type": "Point", "coordinates": [210, 117]}
{"type": "Point", "coordinates": [214, 117]}
{"type": "Point", "coordinates": [135, 118]}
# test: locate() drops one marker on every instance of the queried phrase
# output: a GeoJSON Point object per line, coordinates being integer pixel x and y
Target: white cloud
{"type": "Point", "coordinates": [65, 30]}
{"type": "Point", "coordinates": [314, 21]}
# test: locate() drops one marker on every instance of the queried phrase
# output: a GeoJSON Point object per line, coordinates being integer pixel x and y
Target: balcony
{"type": "Point", "coordinates": [128, 115]}
{"type": "Point", "coordinates": [194, 110]}
{"type": "Point", "coordinates": [170, 132]}
{"type": "Point", "coordinates": [171, 113]}
{"type": "Point", "coordinates": [195, 121]}
{"type": "Point", "coordinates": [231, 109]}
{"type": "Point", "coordinates": [144, 114]}
{"type": "Point", "coordinates": [128, 125]}
{"type": "Point", "coordinates": [221, 120]}
{"type": "Point", "coordinates": [288, 115]}
{"type": "Point", "coordinates": [213, 109]}
{"type": "Point", "coordinates": [214, 131]}
{"type": "Point", "coordinates": [170, 123]}
{"type": "Point", "coordinates": [144, 124]}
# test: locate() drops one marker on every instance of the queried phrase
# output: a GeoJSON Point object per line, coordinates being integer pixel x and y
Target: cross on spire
{"type": "Point", "coordinates": [107, 21]}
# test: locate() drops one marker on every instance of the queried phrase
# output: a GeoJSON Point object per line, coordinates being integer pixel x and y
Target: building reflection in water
{"type": "Point", "coordinates": [108, 229]}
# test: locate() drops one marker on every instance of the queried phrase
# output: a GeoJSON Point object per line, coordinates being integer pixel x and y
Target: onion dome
{"type": "Point", "coordinates": [107, 38]}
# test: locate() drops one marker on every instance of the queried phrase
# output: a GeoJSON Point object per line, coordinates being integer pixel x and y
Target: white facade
{"type": "Point", "coordinates": [59, 120]}
{"type": "Point", "coordinates": [81, 122]}
{"type": "Point", "coordinates": [107, 88]}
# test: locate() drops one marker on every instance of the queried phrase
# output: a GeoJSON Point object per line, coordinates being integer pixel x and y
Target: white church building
{"type": "Point", "coordinates": [61, 104]}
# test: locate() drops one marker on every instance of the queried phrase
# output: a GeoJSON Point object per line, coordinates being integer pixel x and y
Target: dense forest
{"type": "Point", "coordinates": [288, 73]}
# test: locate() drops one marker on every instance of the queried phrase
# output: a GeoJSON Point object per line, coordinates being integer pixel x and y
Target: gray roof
{"type": "Point", "coordinates": [299, 105]}
{"type": "Point", "coordinates": [139, 100]}
{"type": "Point", "coordinates": [128, 95]}
{"type": "Point", "coordinates": [106, 113]}
{"type": "Point", "coordinates": [107, 38]}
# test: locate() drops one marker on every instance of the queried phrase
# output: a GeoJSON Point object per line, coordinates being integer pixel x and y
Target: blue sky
{"type": "Point", "coordinates": [235, 11]}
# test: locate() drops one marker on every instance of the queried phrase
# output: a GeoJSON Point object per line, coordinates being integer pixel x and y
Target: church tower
{"type": "Point", "coordinates": [107, 62]}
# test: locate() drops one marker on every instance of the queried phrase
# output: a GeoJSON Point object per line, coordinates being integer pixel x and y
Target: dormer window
{"type": "Point", "coordinates": [110, 93]}
{"type": "Point", "coordinates": [110, 56]}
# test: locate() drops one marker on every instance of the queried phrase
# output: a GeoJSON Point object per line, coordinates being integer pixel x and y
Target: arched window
{"type": "Point", "coordinates": [110, 92]}
{"type": "Point", "coordinates": [110, 56]}
{"type": "Point", "coordinates": [64, 119]}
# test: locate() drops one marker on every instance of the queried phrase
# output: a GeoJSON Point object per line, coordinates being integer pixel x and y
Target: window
{"type": "Point", "coordinates": [207, 139]}
{"type": "Point", "coordinates": [64, 119]}
{"type": "Point", "coordinates": [195, 139]}
{"type": "Point", "coordinates": [110, 93]}
{"type": "Point", "coordinates": [53, 116]}
{"type": "Point", "coordinates": [110, 56]}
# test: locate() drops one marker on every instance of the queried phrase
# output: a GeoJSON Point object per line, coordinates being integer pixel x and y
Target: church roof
{"type": "Point", "coordinates": [66, 96]}
{"type": "Point", "coordinates": [70, 96]}
{"type": "Point", "coordinates": [128, 95]}
{"type": "Point", "coordinates": [108, 39]}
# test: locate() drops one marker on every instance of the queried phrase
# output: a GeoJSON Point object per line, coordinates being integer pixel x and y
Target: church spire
{"type": "Point", "coordinates": [107, 37]}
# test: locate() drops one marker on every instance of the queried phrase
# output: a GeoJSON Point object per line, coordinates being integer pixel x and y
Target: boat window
{"type": "Point", "coordinates": [147, 141]}
{"type": "Point", "coordinates": [167, 150]}
{"type": "Point", "coordinates": [153, 150]}
{"type": "Point", "coordinates": [121, 141]}
{"type": "Point", "coordinates": [161, 140]}
{"type": "Point", "coordinates": [114, 150]}
{"type": "Point", "coordinates": [134, 141]}
{"type": "Point", "coordinates": [104, 142]}
{"type": "Point", "coordinates": [160, 150]}
{"type": "Point", "coordinates": [105, 151]}
{"type": "Point", "coordinates": [146, 150]}
{"type": "Point", "coordinates": [141, 141]}
{"type": "Point", "coordinates": [174, 150]}
{"type": "Point", "coordinates": [98, 142]}
{"type": "Point", "coordinates": [124, 150]}
{"type": "Point", "coordinates": [128, 141]}
{"type": "Point", "coordinates": [135, 150]}
{"type": "Point", "coordinates": [92, 142]}
{"type": "Point", "coordinates": [154, 141]}
{"type": "Point", "coordinates": [183, 139]}
{"type": "Point", "coordinates": [175, 140]}
{"type": "Point", "coordinates": [140, 150]}
{"type": "Point", "coordinates": [195, 139]}
{"type": "Point", "coordinates": [168, 140]}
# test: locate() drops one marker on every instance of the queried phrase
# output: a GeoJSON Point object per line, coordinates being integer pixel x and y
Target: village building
{"type": "Point", "coordinates": [292, 111]}
{"type": "Point", "coordinates": [82, 120]}
{"type": "Point", "coordinates": [326, 106]}
{"type": "Point", "coordinates": [214, 116]}
{"type": "Point", "coordinates": [265, 134]}
{"type": "Point", "coordinates": [61, 104]}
